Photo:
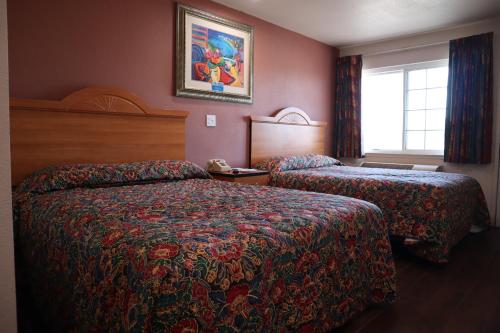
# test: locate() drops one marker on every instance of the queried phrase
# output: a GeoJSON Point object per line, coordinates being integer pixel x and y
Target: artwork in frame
{"type": "Point", "coordinates": [214, 57]}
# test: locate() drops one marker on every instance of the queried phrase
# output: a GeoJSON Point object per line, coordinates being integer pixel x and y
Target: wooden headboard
{"type": "Point", "coordinates": [92, 125]}
{"type": "Point", "coordinates": [289, 132]}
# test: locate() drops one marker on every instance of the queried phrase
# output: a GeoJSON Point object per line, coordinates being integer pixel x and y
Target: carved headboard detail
{"type": "Point", "coordinates": [92, 125]}
{"type": "Point", "coordinates": [97, 100]}
{"type": "Point", "coordinates": [289, 132]}
{"type": "Point", "coordinates": [290, 115]}
{"type": "Point", "coordinates": [107, 100]}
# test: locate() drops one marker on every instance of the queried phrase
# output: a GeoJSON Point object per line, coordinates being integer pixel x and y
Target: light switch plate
{"type": "Point", "coordinates": [211, 120]}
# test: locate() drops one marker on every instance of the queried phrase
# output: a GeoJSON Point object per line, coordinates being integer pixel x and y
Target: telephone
{"type": "Point", "coordinates": [218, 165]}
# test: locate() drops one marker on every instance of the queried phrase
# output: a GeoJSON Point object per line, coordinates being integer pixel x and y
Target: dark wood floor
{"type": "Point", "coordinates": [463, 296]}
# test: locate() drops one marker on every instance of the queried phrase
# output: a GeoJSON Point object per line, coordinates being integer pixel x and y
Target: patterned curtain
{"type": "Point", "coordinates": [347, 135]}
{"type": "Point", "coordinates": [469, 109]}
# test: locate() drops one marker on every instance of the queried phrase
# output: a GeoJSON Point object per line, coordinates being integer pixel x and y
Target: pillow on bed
{"type": "Point", "coordinates": [97, 175]}
{"type": "Point", "coordinates": [285, 163]}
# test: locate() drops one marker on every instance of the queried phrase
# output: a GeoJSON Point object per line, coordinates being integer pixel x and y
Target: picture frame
{"type": "Point", "coordinates": [214, 57]}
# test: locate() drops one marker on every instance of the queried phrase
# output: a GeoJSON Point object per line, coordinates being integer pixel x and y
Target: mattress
{"type": "Point", "coordinates": [159, 246]}
{"type": "Point", "coordinates": [433, 210]}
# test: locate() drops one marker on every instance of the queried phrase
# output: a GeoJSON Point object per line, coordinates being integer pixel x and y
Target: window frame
{"type": "Point", "coordinates": [405, 69]}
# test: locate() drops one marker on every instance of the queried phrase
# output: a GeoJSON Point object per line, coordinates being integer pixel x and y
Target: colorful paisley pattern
{"type": "Point", "coordinates": [285, 163]}
{"type": "Point", "coordinates": [90, 175]}
{"type": "Point", "coordinates": [434, 207]}
{"type": "Point", "coordinates": [196, 255]}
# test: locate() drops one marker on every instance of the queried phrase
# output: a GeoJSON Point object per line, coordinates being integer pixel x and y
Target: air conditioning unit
{"type": "Point", "coordinates": [417, 167]}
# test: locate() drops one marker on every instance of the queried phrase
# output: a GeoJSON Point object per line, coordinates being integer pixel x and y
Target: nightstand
{"type": "Point", "coordinates": [247, 177]}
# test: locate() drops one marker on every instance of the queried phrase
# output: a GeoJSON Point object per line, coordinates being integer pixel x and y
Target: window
{"type": "Point", "coordinates": [404, 107]}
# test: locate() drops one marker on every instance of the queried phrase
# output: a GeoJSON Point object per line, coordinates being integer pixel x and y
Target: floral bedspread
{"type": "Point", "coordinates": [191, 254]}
{"type": "Point", "coordinates": [435, 208]}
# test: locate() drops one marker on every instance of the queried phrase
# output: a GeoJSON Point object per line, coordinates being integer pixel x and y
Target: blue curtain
{"type": "Point", "coordinates": [469, 109]}
{"type": "Point", "coordinates": [347, 135]}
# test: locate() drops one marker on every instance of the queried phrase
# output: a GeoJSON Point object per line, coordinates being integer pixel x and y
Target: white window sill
{"type": "Point", "coordinates": [435, 154]}
{"type": "Point", "coordinates": [405, 157]}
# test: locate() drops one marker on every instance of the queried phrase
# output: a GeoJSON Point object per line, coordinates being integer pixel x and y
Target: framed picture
{"type": "Point", "coordinates": [214, 57]}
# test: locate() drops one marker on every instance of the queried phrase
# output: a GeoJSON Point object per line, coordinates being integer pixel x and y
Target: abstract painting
{"type": "Point", "coordinates": [214, 57]}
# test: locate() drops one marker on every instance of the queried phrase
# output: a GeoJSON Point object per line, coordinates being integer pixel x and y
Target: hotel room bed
{"type": "Point", "coordinates": [431, 210]}
{"type": "Point", "coordinates": [159, 246]}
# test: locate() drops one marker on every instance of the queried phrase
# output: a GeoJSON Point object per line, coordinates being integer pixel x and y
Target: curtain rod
{"type": "Point", "coordinates": [408, 48]}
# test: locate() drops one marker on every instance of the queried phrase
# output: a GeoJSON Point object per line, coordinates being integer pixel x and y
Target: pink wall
{"type": "Point", "coordinates": [58, 46]}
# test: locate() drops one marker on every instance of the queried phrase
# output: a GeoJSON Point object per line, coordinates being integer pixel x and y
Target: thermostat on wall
{"type": "Point", "coordinates": [211, 120]}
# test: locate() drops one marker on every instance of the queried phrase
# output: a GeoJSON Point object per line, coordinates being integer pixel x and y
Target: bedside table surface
{"type": "Point", "coordinates": [230, 174]}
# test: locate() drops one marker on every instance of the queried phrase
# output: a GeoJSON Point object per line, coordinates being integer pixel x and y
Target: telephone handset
{"type": "Point", "coordinates": [218, 165]}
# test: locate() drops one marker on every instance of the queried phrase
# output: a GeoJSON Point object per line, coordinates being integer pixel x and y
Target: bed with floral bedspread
{"type": "Point", "coordinates": [159, 246]}
{"type": "Point", "coordinates": [433, 210]}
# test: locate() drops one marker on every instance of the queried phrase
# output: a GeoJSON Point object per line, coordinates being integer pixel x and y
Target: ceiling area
{"type": "Point", "coordinates": [348, 22]}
